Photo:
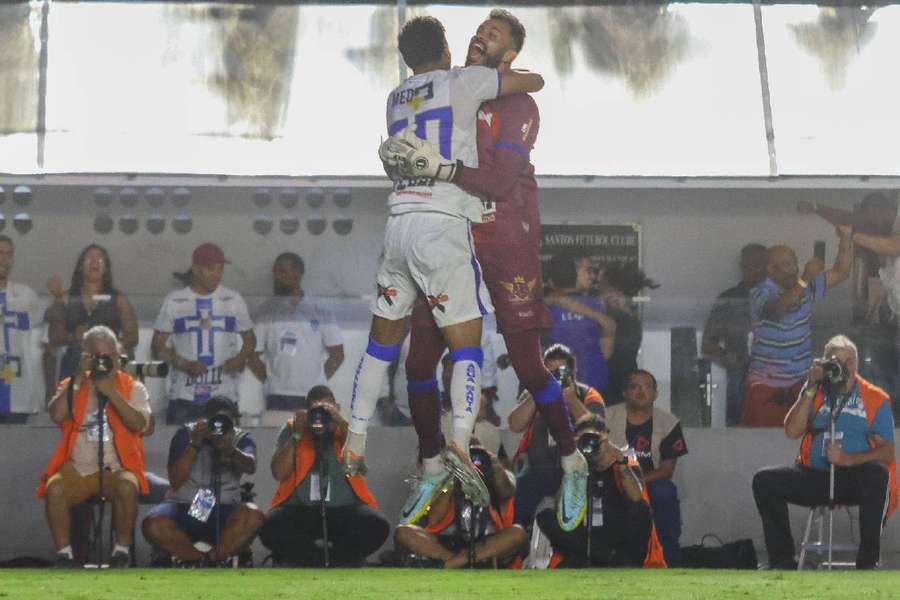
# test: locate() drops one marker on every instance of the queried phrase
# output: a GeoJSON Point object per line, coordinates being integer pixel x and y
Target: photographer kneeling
{"type": "Point", "coordinates": [73, 474]}
{"type": "Point", "coordinates": [452, 523]}
{"type": "Point", "coordinates": [622, 530]}
{"type": "Point", "coordinates": [293, 528]}
{"type": "Point", "coordinates": [864, 464]}
{"type": "Point", "coordinates": [206, 461]}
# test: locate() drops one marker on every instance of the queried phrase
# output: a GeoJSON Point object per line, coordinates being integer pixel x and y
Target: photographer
{"type": "Point", "coordinates": [206, 461]}
{"type": "Point", "coordinates": [541, 477]}
{"type": "Point", "coordinates": [73, 474]}
{"type": "Point", "coordinates": [658, 442]}
{"type": "Point", "coordinates": [293, 527]}
{"type": "Point", "coordinates": [622, 532]}
{"type": "Point", "coordinates": [443, 537]}
{"type": "Point", "coordinates": [862, 452]}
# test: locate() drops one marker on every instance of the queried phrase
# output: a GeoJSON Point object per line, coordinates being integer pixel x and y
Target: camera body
{"type": "Point", "coordinates": [102, 366]}
{"type": "Point", "coordinates": [834, 372]}
{"type": "Point", "coordinates": [220, 425]}
{"type": "Point", "coordinates": [563, 375]}
{"type": "Point", "coordinates": [589, 444]}
{"type": "Point", "coordinates": [482, 461]}
{"type": "Point", "coordinates": [319, 420]}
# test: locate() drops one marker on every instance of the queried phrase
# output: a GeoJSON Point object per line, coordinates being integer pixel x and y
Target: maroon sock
{"type": "Point", "coordinates": [524, 349]}
{"type": "Point", "coordinates": [426, 346]}
{"type": "Point", "coordinates": [425, 408]}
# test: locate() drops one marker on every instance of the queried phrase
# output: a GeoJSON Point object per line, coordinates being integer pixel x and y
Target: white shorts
{"type": "Point", "coordinates": [430, 254]}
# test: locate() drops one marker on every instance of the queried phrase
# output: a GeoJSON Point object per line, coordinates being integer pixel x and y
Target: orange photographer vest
{"type": "Point", "coordinates": [873, 398]}
{"type": "Point", "coordinates": [305, 458]}
{"type": "Point", "coordinates": [129, 444]}
{"type": "Point", "coordinates": [653, 559]}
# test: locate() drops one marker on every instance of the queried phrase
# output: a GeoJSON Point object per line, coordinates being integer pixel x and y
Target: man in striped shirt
{"type": "Point", "coordinates": [781, 313]}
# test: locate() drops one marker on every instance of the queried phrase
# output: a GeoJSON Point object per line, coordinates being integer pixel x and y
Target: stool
{"type": "Point", "coordinates": [823, 545]}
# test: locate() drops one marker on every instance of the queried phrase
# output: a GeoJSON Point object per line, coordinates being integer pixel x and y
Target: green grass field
{"type": "Point", "coordinates": [338, 584]}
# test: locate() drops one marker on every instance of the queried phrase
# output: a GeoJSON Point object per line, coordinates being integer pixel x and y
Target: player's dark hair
{"type": "Point", "coordinates": [421, 41]}
{"type": "Point", "coordinates": [516, 29]}
{"type": "Point", "coordinates": [751, 251]}
{"type": "Point", "coordinates": [318, 392]}
{"type": "Point", "coordinates": [562, 271]}
{"type": "Point", "coordinates": [8, 240]}
{"type": "Point", "coordinates": [560, 352]}
{"type": "Point", "coordinates": [294, 259]}
{"type": "Point", "coordinates": [106, 282]}
{"type": "Point", "coordinates": [628, 279]}
{"type": "Point", "coordinates": [642, 372]}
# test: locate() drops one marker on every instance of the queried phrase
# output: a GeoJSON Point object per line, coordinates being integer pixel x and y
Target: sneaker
{"type": "Point", "coordinates": [353, 464]}
{"type": "Point", "coordinates": [572, 505]}
{"type": "Point", "coordinates": [64, 561]}
{"type": "Point", "coordinates": [460, 466]}
{"type": "Point", "coordinates": [119, 560]}
{"type": "Point", "coordinates": [419, 501]}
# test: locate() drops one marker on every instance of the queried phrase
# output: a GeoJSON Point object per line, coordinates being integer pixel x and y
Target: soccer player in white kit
{"type": "Point", "coordinates": [427, 243]}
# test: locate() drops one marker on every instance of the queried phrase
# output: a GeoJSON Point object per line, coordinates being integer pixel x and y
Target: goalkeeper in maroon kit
{"type": "Point", "coordinates": [507, 244]}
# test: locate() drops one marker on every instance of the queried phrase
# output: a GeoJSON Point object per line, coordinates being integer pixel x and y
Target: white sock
{"type": "Point", "coordinates": [573, 462]}
{"type": "Point", "coordinates": [67, 551]}
{"type": "Point", "coordinates": [370, 376]}
{"type": "Point", "coordinates": [119, 548]}
{"type": "Point", "coordinates": [465, 396]}
{"type": "Point", "coordinates": [433, 465]}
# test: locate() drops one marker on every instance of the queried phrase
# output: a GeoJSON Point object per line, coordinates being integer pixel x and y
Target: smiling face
{"type": "Point", "coordinates": [491, 45]}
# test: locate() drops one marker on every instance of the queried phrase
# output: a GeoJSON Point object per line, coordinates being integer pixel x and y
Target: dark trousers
{"type": "Point", "coordinates": [533, 485]}
{"type": "Point", "coordinates": [734, 397]}
{"type": "Point", "coordinates": [775, 487]}
{"type": "Point", "coordinates": [292, 533]}
{"type": "Point", "coordinates": [667, 517]}
{"type": "Point", "coordinates": [620, 542]}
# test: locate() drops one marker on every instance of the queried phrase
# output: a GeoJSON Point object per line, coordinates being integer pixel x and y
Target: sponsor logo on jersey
{"type": "Point", "coordinates": [437, 302]}
{"type": "Point", "coordinates": [487, 117]}
{"type": "Point", "coordinates": [526, 129]}
{"type": "Point", "coordinates": [387, 293]}
{"type": "Point", "coordinates": [519, 289]}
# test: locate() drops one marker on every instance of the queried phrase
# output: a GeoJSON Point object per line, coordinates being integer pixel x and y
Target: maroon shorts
{"type": "Point", "coordinates": [512, 274]}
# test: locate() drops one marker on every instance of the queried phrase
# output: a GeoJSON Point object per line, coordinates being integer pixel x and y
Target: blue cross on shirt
{"type": "Point", "coordinates": [205, 324]}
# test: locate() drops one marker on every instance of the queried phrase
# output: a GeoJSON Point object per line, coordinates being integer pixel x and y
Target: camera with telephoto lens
{"type": "Point", "coordinates": [102, 366]}
{"type": "Point", "coordinates": [833, 371]}
{"type": "Point", "coordinates": [144, 369]}
{"type": "Point", "coordinates": [589, 444]}
{"type": "Point", "coordinates": [563, 375]}
{"type": "Point", "coordinates": [220, 425]}
{"type": "Point", "coordinates": [319, 419]}
{"type": "Point", "coordinates": [482, 461]}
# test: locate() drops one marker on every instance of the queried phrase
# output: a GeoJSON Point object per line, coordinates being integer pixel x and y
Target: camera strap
{"type": "Point", "coordinates": [70, 396]}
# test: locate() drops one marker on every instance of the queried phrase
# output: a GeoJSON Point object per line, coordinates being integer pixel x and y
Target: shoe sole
{"type": "Point", "coordinates": [423, 509]}
{"type": "Point", "coordinates": [469, 479]}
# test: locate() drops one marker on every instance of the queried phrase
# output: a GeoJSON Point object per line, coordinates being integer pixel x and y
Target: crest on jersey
{"type": "Point", "coordinates": [526, 129]}
{"type": "Point", "coordinates": [519, 289]}
{"type": "Point", "coordinates": [437, 302]}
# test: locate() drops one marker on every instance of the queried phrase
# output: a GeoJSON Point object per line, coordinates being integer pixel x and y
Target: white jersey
{"type": "Point", "coordinates": [293, 337]}
{"type": "Point", "coordinates": [205, 329]}
{"type": "Point", "coordinates": [21, 312]}
{"type": "Point", "coordinates": [443, 105]}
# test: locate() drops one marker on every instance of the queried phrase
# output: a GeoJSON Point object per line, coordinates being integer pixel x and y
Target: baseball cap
{"type": "Point", "coordinates": [208, 254]}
